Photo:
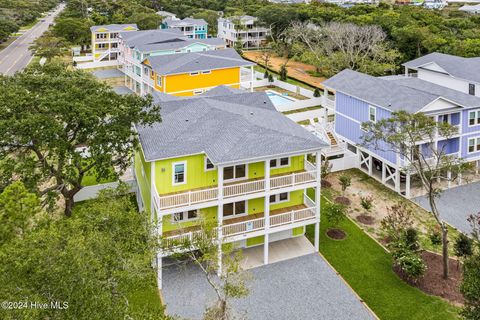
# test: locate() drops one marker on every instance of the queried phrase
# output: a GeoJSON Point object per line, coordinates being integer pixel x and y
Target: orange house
{"type": "Point", "coordinates": [192, 73]}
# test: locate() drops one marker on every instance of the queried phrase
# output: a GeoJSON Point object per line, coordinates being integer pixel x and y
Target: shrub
{"type": "Point", "coordinates": [343, 200]}
{"type": "Point", "coordinates": [463, 246]}
{"type": "Point", "coordinates": [345, 182]}
{"type": "Point", "coordinates": [270, 79]}
{"type": "Point", "coordinates": [397, 221]}
{"type": "Point", "coordinates": [283, 73]}
{"type": "Point", "coordinates": [266, 74]}
{"type": "Point", "coordinates": [335, 213]}
{"type": "Point", "coordinates": [316, 93]}
{"type": "Point", "coordinates": [325, 168]}
{"type": "Point", "coordinates": [411, 239]}
{"type": "Point", "coordinates": [410, 262]}
{"type": "Point", "coordinates": [435, 237]}
{"type": "Point", "coordinates": [366, 203]}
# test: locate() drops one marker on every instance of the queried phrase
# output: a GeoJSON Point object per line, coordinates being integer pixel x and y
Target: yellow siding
{"type": "Point", "coordinates": [187, 82]}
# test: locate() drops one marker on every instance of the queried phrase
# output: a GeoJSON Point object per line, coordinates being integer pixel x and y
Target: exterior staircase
{"type": "Point", "coordinates": [331, 137]}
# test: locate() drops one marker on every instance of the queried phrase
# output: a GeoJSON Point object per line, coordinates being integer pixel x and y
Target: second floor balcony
{"type": "Point", "coordinates": [168, 203]}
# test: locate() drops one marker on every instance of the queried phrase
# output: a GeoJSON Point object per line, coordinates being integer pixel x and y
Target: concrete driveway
{"type": "Point", "coordinates": [456, 204]}
{"type": "Point", "coordinates": [300, 288]}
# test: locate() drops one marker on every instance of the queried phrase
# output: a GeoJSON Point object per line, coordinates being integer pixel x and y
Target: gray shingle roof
{"type": "Point", "coordinates": [138, 38]}
{"type": "Point", "coordinates": [396, 92]}
{"type": "Point", "coordinates": [185, 22]}
{"type": "Point", "coordinates": [197, 61]}
{"type": "Point", "coordinates": [181, 43]}
{"type": "Point", "coordinates": [459, 67]}
{"type": "Point", "coordinates": [113, 27]}
{"type": "Point", "coordinates": [228, 127]}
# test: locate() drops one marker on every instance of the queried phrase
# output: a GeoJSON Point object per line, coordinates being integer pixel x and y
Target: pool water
{"type": "Point", "coordinates": [278, 99]}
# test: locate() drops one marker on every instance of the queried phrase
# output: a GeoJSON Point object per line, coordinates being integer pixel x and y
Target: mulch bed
{"type": "Point", "coordinates": [433, 283]}
{"type": "Point", "coordinates": [326, 184]}
{"type": "Point", "coordinates": [336, 234]}
{"type": "Point", "coordinates": [343, 200]}
{"type": "Point", "coordinates": [368, 220]}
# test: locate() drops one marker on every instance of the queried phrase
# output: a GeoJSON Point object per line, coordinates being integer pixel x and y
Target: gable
{"type": "Point", "coordinates": [129, 28]}
{"type": "Point", "coordinates": [440, 104]}
{"type": "Point", "coordinates": [433, 67]}
{"type": "Point", "coordinates": [146, 62]}
{"type": "Point", "coordinates": [101, 30]}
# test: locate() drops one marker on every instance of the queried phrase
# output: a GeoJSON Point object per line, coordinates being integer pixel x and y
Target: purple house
{"type": "Point", "coordinates": [360, 98]}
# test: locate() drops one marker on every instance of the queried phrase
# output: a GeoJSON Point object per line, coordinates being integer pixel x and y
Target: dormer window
{"type": "Point", "coordinates": [372, 114]}
{"type": "Point", "coordinates": [471, 89]}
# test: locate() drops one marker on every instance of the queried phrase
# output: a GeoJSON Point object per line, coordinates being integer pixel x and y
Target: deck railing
{"type": "Point", "coordinates": [244, 188]}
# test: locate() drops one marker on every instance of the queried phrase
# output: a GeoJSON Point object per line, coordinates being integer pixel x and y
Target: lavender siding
{"type": "Point", "coordinates": [465, 127]}
{"type": "Point", "coordinates": [449, 146]}
{"type": "Point", "coordinates": [349, 107]}
{"type": "Point", "coordinates": [455, 118]}
{"type": "Point", "coordinates": [464, 143]}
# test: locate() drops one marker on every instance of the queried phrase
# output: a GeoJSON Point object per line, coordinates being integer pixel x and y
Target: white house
{"type": "Point", "coordinates": [242, 29]}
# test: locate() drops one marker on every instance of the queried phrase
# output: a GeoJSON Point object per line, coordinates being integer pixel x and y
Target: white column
{"type": "Point", "coordinates": [220, 217]}
{"type": "Point", "coordinates": [449, 178]}
{"type": "Point", "coordinates": [384, 172]}
{"type": "Point", "coordinates": [407, 185]}
{"type": "Point", "coordinates": [252, 78]}
{"type": "Point", "coordinates": [477, 166]}
{"type": "Point", "coordinates": [318, 163]}
{"type": "Point", "coordinates": [266, 211]}
{"type": "Point", "coordinates": [397, 180]}
{"type": "Point", "coordinates": [370, 165]}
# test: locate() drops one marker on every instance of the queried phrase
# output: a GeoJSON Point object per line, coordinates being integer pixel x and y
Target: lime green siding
{"type": "Point", "coordinates": [169, 225]}
{"type": "Point", "coordinates": [197, 177]}
{"type": "Point", "coordinates": [255, 241]}
{"type": "Point", "coordinates": [298, 231]}
{"type": "Point", "coordinates": [143, 178]}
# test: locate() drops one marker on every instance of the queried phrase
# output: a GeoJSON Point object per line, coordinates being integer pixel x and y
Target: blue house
{"type": "Point", "coordinates": [361, 98]}
{"type": "Point", "coordinates": [192, 28]}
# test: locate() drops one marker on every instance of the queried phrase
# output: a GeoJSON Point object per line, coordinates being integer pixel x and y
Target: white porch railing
{"type": "Point", "coordinates": [244, 188]}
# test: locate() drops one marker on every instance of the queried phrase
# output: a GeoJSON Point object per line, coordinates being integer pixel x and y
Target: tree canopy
{"type": "Point", "coordinates": [48, 112]}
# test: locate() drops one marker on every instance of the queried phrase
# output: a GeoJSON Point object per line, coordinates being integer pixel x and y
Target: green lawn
{"type": "Point", "coordinates": [367, 268]}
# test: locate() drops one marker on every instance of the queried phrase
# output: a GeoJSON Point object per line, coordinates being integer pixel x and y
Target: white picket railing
{"type": "Point", "coordinates": [244, 188]}
{"type": "Point", "coordinates": [243, 227]}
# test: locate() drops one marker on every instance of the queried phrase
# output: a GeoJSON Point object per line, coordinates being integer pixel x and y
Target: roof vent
{"type": "Point", "coordinates": [264, 102]}
{"type": "Point", "coordinates": [186, 120]}
{"type": "Point", "coordinates": [251, 113]}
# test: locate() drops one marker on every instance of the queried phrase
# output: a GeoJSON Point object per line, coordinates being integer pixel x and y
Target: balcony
{"type": "Point", "coordinates": [235, 189]}
{"type": "Point", "coordinates": [251, 225]}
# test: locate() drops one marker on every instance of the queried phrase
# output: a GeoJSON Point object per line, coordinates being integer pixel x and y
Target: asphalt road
{"type": "Point", "coordinates": [16, 56]}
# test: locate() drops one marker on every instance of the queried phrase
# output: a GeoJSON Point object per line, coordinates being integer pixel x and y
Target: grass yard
{"type": "Point", "coordinates": [289, 80]}
{"type": "Point", "coordinates": [366, 266]}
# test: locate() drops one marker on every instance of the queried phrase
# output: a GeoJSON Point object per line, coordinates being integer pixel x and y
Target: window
{"type": "Point", "coordinates": [474, 145]}
{"type": "Point", "coordinates": [185, 216]}
{"type": "Point", "coordinates": [372, 114]}
{"type": "Point", "coordinates": [282, 162]}
{"type": "Point", "coordinates": [115, 45]}
{"type": "Point", "coordinates": [206, 72]}
{"type": "Point", "coordinates": [159, 80]}
{"type": "Point", "coordinates": [101, 35]}
{"type": "Point", "coordinates": [445, 118]}
{"type": "Point", "coordinates": [208, 164]}
{"type": "Point", "coordinates": [474, 118]}
{"type": "Point", "coordinates": [234, 209]}
{"type": "Point", "coordinates": [194, 73]}
{"type": "Point", "coordinates": [278, 198]}
{"type": "Point", "coordinates": [471, 89]}
{"type": "Point", "coordinates": [179, 172]}
{"type": "Point", "coordinates": [102, 45]}
{"type": "Point", "coordinates": [235, 172]}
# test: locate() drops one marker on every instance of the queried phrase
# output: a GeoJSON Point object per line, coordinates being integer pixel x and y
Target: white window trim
{"type": "Point", "coordinates": [237, 215]}
{"type": "Point", "coordinates": [477, 115]}
{"type": "Point", "coordinates": [277, 198]}
{"type": "Point", "coordinates": [159, 80]}
{"type": "Point", "coordinates": [205, 164]}
{"type": "Point", "coordinates": [475, 144]}
{"type": "Point", "coordinates": [185, 215]}
{"type": "Point", "coordinates": [184, 173]}
{"type": "Point", "coordinates": [277, 160]}
{"type": "Point", "coordinates": [237, 179]}
{"type": "Point", "coordinates": [374, 113]}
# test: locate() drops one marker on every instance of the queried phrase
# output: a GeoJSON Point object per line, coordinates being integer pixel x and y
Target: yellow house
{"type": "Point", "coordinates": [105, 40]}
{"type": "Point", "coordinates": [192, 73]}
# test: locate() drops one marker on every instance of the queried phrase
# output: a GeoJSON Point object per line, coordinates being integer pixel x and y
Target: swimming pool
{"type": "Point", "coordinates": [279, 99]}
